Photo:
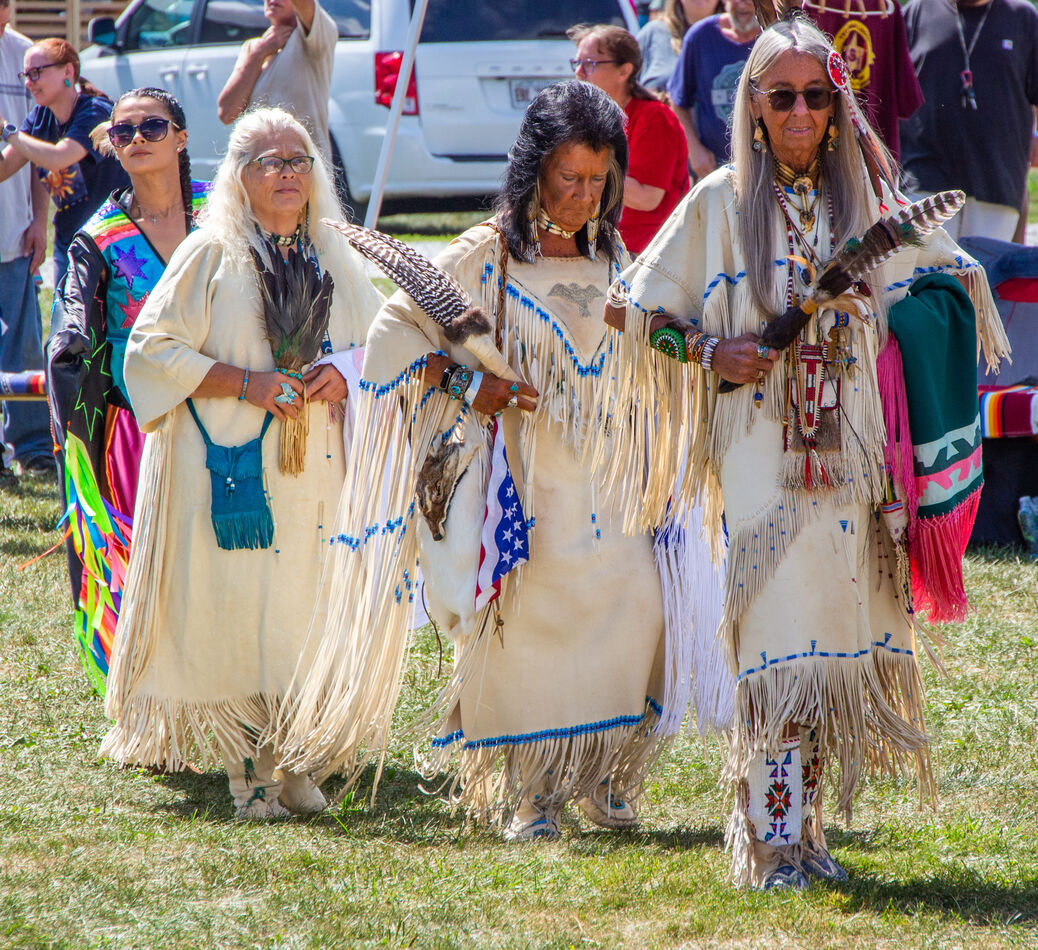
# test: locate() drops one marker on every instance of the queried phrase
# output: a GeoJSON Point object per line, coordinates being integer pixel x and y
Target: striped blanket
{"type": "Point", "coordinates": [1008, 412]}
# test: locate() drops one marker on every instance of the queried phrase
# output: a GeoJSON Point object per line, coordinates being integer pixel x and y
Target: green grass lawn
{"type": "Point", "coordinates": [95, 856]}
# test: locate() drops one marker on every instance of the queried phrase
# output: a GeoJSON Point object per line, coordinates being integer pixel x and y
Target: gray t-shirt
{"type": "Point", "coordinates": [299, 78]}
{"type": "Point", "coordinates": [658, 54]}
{"type": "Point", "coordinates": [15, 103]}
{"type": "Point", "coordinates": [984, 151]}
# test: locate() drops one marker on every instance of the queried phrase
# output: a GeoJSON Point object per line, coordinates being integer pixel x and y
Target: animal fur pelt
{"type": "Point", "coordinates": [438, 478]}
{"type": "Point", "coordinates": [440, 296]}
{"type": "Point", "coordinates": [856, 261]}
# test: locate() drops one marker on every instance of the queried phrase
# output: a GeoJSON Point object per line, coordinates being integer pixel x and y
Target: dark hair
{"type": "Point", "coordinates": [621, 46]}
{"type": "Point", "coordinates": [176, 113]}
{"type": "Point", "coordinates": [63, 53]}
{"type": "Point", "coordinates": [565, 113]}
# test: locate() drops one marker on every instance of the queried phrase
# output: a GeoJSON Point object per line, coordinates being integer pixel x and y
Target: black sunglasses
{"type": "Point", "coordinates": [816, 98]}
{"type": "Point", "coordinates": [152, 129]}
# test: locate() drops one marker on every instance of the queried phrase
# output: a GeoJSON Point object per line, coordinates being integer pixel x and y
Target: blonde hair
{"type": "Point", "coordinates": [228, 214]}
{"type": "Point", "coordinates": [843, 179]}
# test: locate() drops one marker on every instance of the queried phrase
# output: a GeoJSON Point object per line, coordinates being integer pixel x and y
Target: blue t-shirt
{"type": "Point", "coordinates": [78, 190]}
{"type": "Point", "coordinates": [705, 78]}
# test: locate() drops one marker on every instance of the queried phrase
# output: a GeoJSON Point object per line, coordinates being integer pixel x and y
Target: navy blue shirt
{"type": "Point", "coordinates": [705, 78]}
{"type": "Point", "coordinates": [80, 189]}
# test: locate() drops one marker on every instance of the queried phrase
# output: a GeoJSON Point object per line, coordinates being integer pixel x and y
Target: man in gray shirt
{"type": "Point", "coordinates": [289, 66]}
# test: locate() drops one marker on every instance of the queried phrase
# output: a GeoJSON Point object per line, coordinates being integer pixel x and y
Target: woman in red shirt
{"type": "Point", "coordinates": [657, 179]}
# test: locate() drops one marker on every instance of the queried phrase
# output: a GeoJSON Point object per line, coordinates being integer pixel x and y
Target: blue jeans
{"type": "Point", "coordinates": [24, 425]}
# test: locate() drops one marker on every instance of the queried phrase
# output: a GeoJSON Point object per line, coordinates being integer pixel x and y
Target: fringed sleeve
{"type": "Point", "coordinates": [343, 703]}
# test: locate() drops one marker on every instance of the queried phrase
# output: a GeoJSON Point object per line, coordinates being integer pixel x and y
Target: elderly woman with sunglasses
{"type": "Point", "coordinates": [55, 138]}
{"type": "Point", "coordinates": [230, 533]}
{"type": "Point", "coordinates": [818, 617]}
{"type": "Point", "coordinates": [115, 261]}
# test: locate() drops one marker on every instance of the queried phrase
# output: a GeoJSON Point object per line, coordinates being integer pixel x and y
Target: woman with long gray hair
{"type": "Point", "coordinates": [809, 455]}
{"type": "Point", "coordinates": [246, 331]}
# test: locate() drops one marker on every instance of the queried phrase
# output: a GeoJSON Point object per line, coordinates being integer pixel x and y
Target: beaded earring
{"type": "Point", "coordinates": [759, 142]}
{"type": "Point", "coordinates": [592, 231]}
{"type": "Point", "coordinates": [832, 137]}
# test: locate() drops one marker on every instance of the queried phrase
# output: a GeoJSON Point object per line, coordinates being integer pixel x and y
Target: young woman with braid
{"type": "Point", "coordinates": [114, 262]}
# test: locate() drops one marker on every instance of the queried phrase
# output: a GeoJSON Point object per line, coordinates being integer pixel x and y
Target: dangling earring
{"type": "Point", "coordinates": [832, 137]}
{"type": "Point", "coordinates": [592, 231]}
{"type": "Point", "coordinates": [531, 214]}
{"type": "Point", "coordinates": [759, 142]}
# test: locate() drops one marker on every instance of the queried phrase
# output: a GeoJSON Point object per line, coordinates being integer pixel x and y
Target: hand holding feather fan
{"type": "Point", "coordinates": [296, 301]}
{"type": "Point", "coordinates": [857, 260]}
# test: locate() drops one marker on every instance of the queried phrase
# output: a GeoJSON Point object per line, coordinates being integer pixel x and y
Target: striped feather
{"type": "Point", "coordinates": [439, 295]}
{"type": "Point", "coordinates": [906, 228]}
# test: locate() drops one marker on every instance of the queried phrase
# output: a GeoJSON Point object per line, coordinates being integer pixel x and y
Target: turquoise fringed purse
{"type": "Point", "coordinates": [240, 511]}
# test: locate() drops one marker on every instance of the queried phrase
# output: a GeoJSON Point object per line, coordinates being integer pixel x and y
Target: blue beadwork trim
{"type": "Point", "coordinates": [374, 530]}
{"type": "Point", "coordinates": [960, 265]}
{"type": "Point", "coordinates": [824, 654]}
{"type": "Point", "coordinates": [547, 734]}
{"type": "Point", "coordinates": [378, 390]}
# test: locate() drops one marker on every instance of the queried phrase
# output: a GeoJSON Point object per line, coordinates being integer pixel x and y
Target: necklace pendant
{"type": "Point", "coordinates": [807, 220]}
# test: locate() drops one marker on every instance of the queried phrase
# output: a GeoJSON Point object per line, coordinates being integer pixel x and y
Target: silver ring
{"type": "Point", "coordinates": [513, 402]}
{"type": "Point", "coordinates": [762, 351]}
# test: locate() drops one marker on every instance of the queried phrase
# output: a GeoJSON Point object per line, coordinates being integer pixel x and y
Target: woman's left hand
{"type": "Point", "coordinates": [324, 383]}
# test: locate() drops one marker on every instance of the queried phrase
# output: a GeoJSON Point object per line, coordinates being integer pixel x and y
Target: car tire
{"type": "Point", "coordinates": [355, 209]}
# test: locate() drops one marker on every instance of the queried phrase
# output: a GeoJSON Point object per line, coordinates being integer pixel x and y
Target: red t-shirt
{"type": "Point", "coordinates": [658, 156]}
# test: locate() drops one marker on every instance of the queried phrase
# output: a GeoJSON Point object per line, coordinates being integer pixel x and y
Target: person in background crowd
{"type": "Point", "coordinates": [660, 38]}
{"type": "Point", "coordinates": [977, 62]}
{"type": "Point", "coordinates": [874, 46]}
{"type": "Point", "coordinates": [702, 86]}
{"type": "Point", "coordinates": [289, 66]}
{"type": "Point", "coordinates": [55, 137]}
{"type": "Point", "coordinates": [115, 261]}
{"type": "Point", "coordinates": [657, 171]}
{"type": "Point", "coordinates": [24, 430]}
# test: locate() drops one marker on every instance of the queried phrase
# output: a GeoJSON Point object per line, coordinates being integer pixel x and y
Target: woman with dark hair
{"type": "Point", "coordinates": [657, 175]}
{"type": "Point", "coordinates": [55, 137]}
{"type": "Point", "coordinates": [114, 263]}
{"type": "Point", "coordinates": [559, 666]}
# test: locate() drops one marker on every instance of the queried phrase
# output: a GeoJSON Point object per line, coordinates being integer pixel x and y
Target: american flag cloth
{"type": "Point", "coordinates": [504, 542]}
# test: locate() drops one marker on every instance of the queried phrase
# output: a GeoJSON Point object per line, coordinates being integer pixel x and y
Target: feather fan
{"type": "Point", "coordinates": [859, 257]}
{"type": "Point", "coordinates": [296, 301]}
{"type": "Point", "coordinates": [440, 296]}
{"type": "Point", "coordinates": [768, 11]}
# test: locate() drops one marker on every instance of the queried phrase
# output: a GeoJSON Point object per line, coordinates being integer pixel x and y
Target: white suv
{"type": "Point", "coordinates": [478, 64]}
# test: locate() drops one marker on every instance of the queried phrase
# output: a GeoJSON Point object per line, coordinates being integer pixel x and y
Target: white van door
{"type": "Point", "coordinates": [479, 64]}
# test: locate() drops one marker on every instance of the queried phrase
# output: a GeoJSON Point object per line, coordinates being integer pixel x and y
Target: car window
{"type": "Point", "coordinates": [156, 24]}
{"type": "Point", "coordinates": [459, 21]}
{"type": "Point", "coordinates": [234, 21]}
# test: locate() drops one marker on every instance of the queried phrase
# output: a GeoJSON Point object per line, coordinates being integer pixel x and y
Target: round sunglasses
{"type": "Point", "coordinates": [816, 98]}
{"type": "Point", "coordinates": [152, 129]}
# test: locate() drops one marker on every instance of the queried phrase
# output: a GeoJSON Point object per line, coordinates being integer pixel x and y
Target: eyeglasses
{"type": "Point", "coordinates": [273, 164]}
{"type": "Point", "coordinates": [33, 72]}
{"type": "Point", "coordinates": [589, 64]}
{"type": "Point", "coordinates": [152, 129]}
{"type": "Point", "coordinates": [816, 98]}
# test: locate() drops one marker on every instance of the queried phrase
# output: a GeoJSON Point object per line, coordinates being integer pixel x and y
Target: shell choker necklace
{"type": "Point", "coordinates": [545, 222]}
{"type": "Point", "coordinates": [282, 240]}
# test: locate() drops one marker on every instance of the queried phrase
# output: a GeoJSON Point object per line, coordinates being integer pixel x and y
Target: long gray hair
{"type": "Point", "coordinates": [843, 181]}
{"type": "Point", "coordinates": [228, 215]}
